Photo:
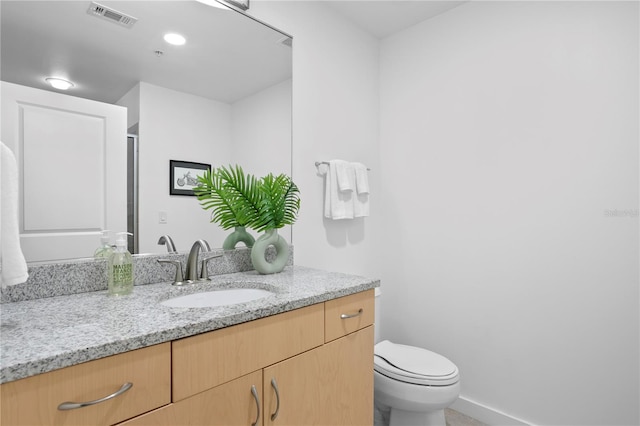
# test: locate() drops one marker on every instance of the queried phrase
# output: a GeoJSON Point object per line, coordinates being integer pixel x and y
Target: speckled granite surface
{"type": "Point", "coordinates": [54, 332]}
{"type": "Point", "coordinates": [87, 275]}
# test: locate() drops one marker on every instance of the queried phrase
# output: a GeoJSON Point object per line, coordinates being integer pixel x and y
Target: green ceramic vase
{"type": "Point", "coordinates": [258, 252]}
{"type": "Point", "coordinates": [240, 235]}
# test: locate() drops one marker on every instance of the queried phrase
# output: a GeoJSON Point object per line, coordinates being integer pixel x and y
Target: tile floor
{"type": "Point", "coordinates": [452, 418]}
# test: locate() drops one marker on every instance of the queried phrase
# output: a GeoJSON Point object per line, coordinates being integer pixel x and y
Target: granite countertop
{"type": "Point", "coordinates": [42, 335]}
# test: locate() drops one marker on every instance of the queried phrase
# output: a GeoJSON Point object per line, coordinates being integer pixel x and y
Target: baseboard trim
{"type": "Point", "coordinates": [487, 415]}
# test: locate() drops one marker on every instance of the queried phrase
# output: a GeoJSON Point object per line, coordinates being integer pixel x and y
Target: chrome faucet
{"type": "Point", "coordinates": [165, 239]}
{"type": "Point", "coordinates": [192, 260]}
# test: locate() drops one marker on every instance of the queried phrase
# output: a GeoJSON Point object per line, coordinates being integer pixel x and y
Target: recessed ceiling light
{"type": "Point", "coordinates": [59, 83]}
{"type": "Point", "coordinates": [175, 39]}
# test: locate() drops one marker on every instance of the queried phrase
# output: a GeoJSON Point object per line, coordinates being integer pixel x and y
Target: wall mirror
{"type": "Point", "coordinates": [223, 97]}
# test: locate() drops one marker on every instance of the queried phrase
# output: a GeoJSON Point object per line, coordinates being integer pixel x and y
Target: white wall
{"type": "Point", "coordinates": [261, 131]}
{"type": "Point", "coordinates": [335, 115]}
{"type": "Point", "coordinates": [261, 134]}
{"type": "Point", "coordinates": [509, 130]}
{"type": "Point", "coordinates": [131, 100]}
{"type": "Point", "coordinates": [177, 126]}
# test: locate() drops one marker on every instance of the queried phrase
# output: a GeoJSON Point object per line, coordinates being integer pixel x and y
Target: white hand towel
{"type": "Point", "coordinates": [337, 204]}
{"type": "Point", "coordinates": [361, 205]}
{"type": "Point", "coordinates": [362, 178]}
{"type": "Point", "coordinates": [344, 175]}
{"type": "Point", "coordinates": [13, 268]}
{"type": "Point", "coordinates": [361, 198]}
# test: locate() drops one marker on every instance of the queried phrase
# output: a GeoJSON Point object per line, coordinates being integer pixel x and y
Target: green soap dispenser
{"type": "Point", "coordinates": [105, 250]}
{"type": "Point", "coordinates": [120, 268]}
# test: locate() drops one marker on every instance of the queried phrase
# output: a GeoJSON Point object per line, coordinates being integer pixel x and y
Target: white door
{"type": "Point", "coordinates": [71, 155]}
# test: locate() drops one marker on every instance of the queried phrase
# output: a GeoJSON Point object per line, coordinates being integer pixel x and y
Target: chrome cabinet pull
{"type": "Point", "coordinates": [73, 405]}
{"type": "Point", "coordinates": [254, 392]}
{"type": "Point", "coordinates": [274, 385]}
{"type": "Point", "coordinates": [347, 316]}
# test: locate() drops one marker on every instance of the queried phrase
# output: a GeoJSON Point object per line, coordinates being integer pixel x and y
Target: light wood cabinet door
{"type": "Point", "coordinates": [330, 385]}
{"type": "Point", "coordinates": [210, 359]}
{"type": "Point", "coordinates": [229, 404]}
{"type": "Point", "coordinates": [35, 400]}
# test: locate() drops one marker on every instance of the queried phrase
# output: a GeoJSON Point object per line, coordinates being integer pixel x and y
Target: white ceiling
{"type": "Point", "coordinates": [386, 17]}
{"type": "Point", "coordinates": [227, 56]}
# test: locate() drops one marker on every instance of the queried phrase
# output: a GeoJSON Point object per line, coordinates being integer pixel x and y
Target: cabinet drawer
{"type": "Point", "coordinates": [348, 314]}
{"type": "Point", "coordinates": [210, 359]}
{"type": "Point", "coordinates": [35, 400]}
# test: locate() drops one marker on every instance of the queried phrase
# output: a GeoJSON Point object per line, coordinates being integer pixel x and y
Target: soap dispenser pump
{"type": "Point", "coordinates": [105, 250]}
{"type": "Point", "coordinates": [121, 268]}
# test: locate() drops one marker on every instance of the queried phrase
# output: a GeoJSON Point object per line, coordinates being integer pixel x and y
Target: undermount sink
{"type": "Point", "coordinates": [211, 299]}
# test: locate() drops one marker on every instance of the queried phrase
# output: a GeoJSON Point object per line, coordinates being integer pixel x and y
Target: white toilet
{"type": "Point", "coordinates": [412, 386]}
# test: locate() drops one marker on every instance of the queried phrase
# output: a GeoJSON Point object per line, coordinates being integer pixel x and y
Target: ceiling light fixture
{"type": "Point", "coordinates": [175, 39]}
{"type": "Point", "coordinates": [214, 3]}
{"type": "Point", "coordinates": [59, 83]}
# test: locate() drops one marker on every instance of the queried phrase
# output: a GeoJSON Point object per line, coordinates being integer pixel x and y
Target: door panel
{"type": "Point", "coordinates": [71, 155]}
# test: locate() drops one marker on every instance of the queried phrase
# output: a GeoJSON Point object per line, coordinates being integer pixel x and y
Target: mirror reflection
{"type": "Point", "coordinates": [97, 155]}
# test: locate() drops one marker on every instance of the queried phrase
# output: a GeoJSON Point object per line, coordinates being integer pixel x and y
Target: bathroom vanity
{"type": "Point", "coordinates": [303, 355]}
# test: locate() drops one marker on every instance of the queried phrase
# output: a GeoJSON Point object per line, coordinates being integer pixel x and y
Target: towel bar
{"type": "Point", "coordinates": [318, 163]}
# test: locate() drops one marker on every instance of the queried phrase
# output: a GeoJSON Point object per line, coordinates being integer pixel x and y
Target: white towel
{"type": "Point", "coordinates": [337, 204]}
{"type": "Point", "coordinates": [13, 268]}
{"type": "Point", "coordinates": [361, 198]}
{"type": "Point", "coordinates": [362, 178]}
{"type": "Point", "coordinates": [344, 175]}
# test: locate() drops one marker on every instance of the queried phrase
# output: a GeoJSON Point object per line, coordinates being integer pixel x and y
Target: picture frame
{"type": "Point", "coordinates": [183, 176]}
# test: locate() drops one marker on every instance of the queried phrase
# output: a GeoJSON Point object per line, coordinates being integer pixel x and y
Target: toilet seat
{"type": "Point", "coordinates": [413, 365]}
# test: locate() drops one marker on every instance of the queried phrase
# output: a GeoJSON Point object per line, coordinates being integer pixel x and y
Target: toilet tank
{"type": "Point", "coordinates": [377, 323]}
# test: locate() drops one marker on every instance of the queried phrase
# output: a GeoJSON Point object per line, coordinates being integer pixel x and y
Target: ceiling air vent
{"type": "Point", "coordinates": [111, 15]}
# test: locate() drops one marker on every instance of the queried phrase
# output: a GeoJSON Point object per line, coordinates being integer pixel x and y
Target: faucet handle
{"type": "Point", "coordinates": [179, 278]}
{"type": "Point", "coordinates": [204, 272]}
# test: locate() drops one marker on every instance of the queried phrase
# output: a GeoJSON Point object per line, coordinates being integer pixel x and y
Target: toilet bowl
{"type": "Point", "coordinates": [412, 386]}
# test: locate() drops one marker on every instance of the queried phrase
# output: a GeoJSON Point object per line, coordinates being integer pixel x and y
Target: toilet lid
{"type": "Point", "coordinates": [413, 365]}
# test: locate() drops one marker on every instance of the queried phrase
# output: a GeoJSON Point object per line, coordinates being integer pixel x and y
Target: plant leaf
{"type": "Point", "coordinates": [212, 195]}
{"type": "Point", "coordinates": [280, 202]}
{"type": "Point", "coordinates": [242, 190]}
{"type": "Point", "coordinates": [238, 199]}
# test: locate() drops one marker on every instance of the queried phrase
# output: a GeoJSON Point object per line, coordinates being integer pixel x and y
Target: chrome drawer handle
{"type": "Point", "coordinates": [347, 316]}
{"type": "Point", "coordinates": [73, 405]}
{"type": "Point", "coordinates": [254, 392]}
{"type": "Point", "coordinates": [274, 385]}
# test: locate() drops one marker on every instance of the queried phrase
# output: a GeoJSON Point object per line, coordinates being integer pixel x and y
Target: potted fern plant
{"type": "Point", "coordinates": [218, 190]}
{"type": "Point", "coordinates": [264, 205]}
